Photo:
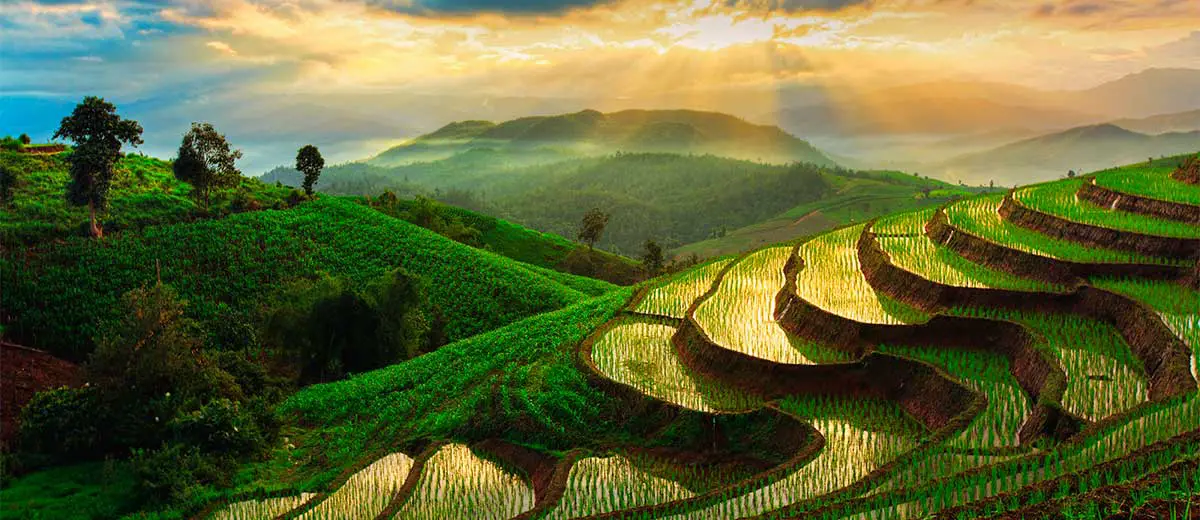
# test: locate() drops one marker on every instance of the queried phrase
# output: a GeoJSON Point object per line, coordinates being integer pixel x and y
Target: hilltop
{"type": "Point", "coordinates": [593, 133]}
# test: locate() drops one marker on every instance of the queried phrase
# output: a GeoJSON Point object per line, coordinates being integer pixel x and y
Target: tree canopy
{"type": "Point", "coordinates": [310, 163]}
{"type": "Point", "coordinates": [98, 133]}
{"type": "Point", "coordinates": [206, 161]}
{"type": "Point", "coordinates": [592, 227]}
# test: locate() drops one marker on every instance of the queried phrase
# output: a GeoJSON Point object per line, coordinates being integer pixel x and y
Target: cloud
{"type": "Point", "coordinates": [789, 6]}
{"type": "Point", "coordinates": [458, 7]}
{"type": "Point", "coordinates": [221, 47]}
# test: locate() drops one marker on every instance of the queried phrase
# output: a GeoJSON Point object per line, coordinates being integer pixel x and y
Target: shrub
{"type": "Point", "coordinates": [170, 473]}
{"type": "Point", "coordinates": [221, 426]}
{"type": "Point", "coordinates": [64, 422]}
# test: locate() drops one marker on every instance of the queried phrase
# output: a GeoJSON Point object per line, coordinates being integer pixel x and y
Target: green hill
{"type": "Point", "coordinates": [144, 192]}
{"type": "Point", "coordinates": [592, 133]}
{"type": "Point", "coordinates": [226, 267]}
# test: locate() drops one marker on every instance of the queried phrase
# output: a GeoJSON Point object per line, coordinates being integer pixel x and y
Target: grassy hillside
{"type": "Point", "coordinates": [592, 133]}
{"type": "Point", "coordinates": [144, 192]}
{"type": "Point", "coordinates": [225, 268]}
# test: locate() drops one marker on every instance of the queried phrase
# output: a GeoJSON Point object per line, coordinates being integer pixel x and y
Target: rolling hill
{"type": "Point", "coordinates": [593, 133]}
{"type": "Point", "coordinates": [1080, 149]}
{"type": "Point", "coordinates": [1163, 123]}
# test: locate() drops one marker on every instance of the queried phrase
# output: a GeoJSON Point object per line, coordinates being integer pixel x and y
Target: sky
{"type": "Point", "coordinates": [357, 76]}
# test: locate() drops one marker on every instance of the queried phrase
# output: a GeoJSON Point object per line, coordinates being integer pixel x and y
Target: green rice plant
{"type": "Point", "coordinates": [979, 216]}
{"type": "Point", "coordinates": [998, 425]}
{"type": "Point", "coordinates": [918, 254]}
{"type": "Point", "coordinates": [1153, 182]}
{"type": "Point", "coordinates": [260, 509]}
{"type": "Point", "coordinates": [455, 483]}
{"type": "Point", "coordinates": [1058, 199]}
{"type": "Point", "coordinates": [904, 224]}
{"type": "Point", "coordinates": [739, 315]}
{"type": "Point", "coordinates": [939, 465]}
{"type": "Point", "coordinates": [674, 297]}
{"type": "Point", "coordinates": [1178, 306]}
{"type": "Point", "coordinates": [1103, 376]}
{"type": "Point", "coordinates": [604, 484]}
{"type": "Point", "coordinates": [853, 449]}
{"type": "Point", "coordinates": [832, 280]}
{"type": "Point", "coordinates": [638, 353]}
{"type": "Point", "coordinates": [366, 493]}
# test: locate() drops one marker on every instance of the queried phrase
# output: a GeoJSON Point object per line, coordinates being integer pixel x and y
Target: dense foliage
{"type": "Point", "coordinates": [225, 268]}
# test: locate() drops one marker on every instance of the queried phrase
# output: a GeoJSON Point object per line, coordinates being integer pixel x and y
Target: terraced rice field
{"type": "Point", "coordinates": [832, 280]}
{"type": "Point", "coordinates": [980, 217]}
{"type": "Point", "coordinates": [456, 483]}
{"type": "Point", "coordinates": [918, 254]}
{"type": "Point", "coordinates": [367, 492]}
{"type": "Point", "coordinates": [638, 352]}
{"type": "Point", "coordinates": [889, 452]}
{"type": "Point", "coordinates": [255, 509]}
{"type": "Point", "coordinates": [1148, 182]}
{"type": "Point", "coordinates": [739, 315]}
{"type": "Point", "coordinates": [604, 484]}
{"type": "Point", "coordinates": [1058, 199]}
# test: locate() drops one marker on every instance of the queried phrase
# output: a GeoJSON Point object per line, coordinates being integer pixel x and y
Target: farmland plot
{"type": "Point", "coordinates": [1058, 199]}
{"type": "Point", "coordinates": [257, 509]}
{"type": "Point", "coordinates": [604, 484]}
{"type": "Point", "coordinates": [638, 352]}
{"type": "Point", "coordinates": [832, 280]}
{"type": "Point", "coordinates": [1151, 182]}
{"type": "Point", "coordinates": [366, 493]}
{"type": "Point", "coordinates": [740, 314]}
{"type": "Point", "coordinates": [455, 483]}
{"type": "Point", "coordinates": [675, 296]}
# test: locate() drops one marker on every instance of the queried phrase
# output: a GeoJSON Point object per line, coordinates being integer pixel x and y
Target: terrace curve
{"type": "Point", "coordinates": [1133, 203]}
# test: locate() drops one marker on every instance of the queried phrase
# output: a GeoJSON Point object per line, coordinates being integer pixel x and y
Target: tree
{"type": "Point", "coordinates": [310, 163]}
{"type": "Point", "coordinates": [592, 227]}
{"type": "Point", "coordinates": [1070, 174]}
{"type": "Point", "coordinates": [25, 140]}
{"type": "Point", "coordinates": [206, 162]}
{"type": "Point", "coordinates": [97, 132]}
{"type": "Point", "coordinates": [652, 257]}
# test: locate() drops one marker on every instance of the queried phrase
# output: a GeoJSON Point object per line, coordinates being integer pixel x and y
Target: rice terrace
{"type": "Point", "coordinates": [619, 260]}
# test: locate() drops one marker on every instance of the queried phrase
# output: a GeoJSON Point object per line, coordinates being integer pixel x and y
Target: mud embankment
{"type": "Point", "coordinates": [1037, 267]}
{"type": "Point", "coordinates": [24, 372]}
{"type": "Point", "coordinates": [1164, 357]}
{"type": "Point", "coordinates": [1096, 236]}
{"type": "Point", "coordinates": [1188, 172]}
{"type": "Point", "coordinates": [1107, 198]}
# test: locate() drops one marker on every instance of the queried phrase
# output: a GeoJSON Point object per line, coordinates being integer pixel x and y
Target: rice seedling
{"type": "Point", "coordinates": [1058, 199]}
{"type": "Point", "coordinates": [919, 255]}
{"type": "Point", "coordinates": [261, 509]}
{"type": "Point", "coordinates": [675, 296]}
{"type": "Point", "coordinates": [832, 280]}
{"type": "Point", "coordinates": [740, 314]}
{"type": "Point", "coordinates": [455, 483]}
{"type": "Point", "coordinates": [939, 465]}
{"type": "Point", "coordinates": [638, 352]}
{"type": "Point", "coordinates": [853, 449]}
{"type": "Point", "coordinates": [1007, 408]}
{"type": "Point", "coordinates": [365, 493]}
{"type": "Point", "coordinates": [1103, 376]}
{"type": "Point", "coordinates": [904, 224]}
{"type": "Point", "coordinates": [604, 484]}
{"type": "Point", "coordinates": [980, 217]}
{"type": "Point", "coordinates": [1153, 182]}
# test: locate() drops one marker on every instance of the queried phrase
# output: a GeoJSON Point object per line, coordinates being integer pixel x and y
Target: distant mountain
{"type": "Point", "coordinates": [1152, 91]}
{"type": "Point", "coordinates": [592, 133]}
{"type": "Point", "coordinates": [1081, 149]}
{"type": "Point", "coordinates": [1178, 122]}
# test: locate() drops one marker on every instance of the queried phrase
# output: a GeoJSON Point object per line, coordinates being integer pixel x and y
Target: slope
{"type": "Point", "coordinates": [227, 267]}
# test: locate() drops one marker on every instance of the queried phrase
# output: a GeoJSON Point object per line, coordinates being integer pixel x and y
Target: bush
{"type": "Point", "coordinates": [221, 426]}
{"type": "Point", "coordinates": [172, 471]}
{"type": "Point", "coordinates": [63, 423]}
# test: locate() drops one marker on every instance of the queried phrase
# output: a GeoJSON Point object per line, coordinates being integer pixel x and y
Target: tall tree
{"type": "Point", "coordinates": [206, 162]}
{"type": "Point", "coordinates": [652, 257]}
{"type": "Point", "coordinates": [592, 227]}
{"type": "Point", "coordinates": [310, 163]}
{"type": "Point", "coordinates": [98, 133]}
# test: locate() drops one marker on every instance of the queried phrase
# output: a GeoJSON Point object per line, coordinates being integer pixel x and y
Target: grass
{"type": "Point", "coordinates": [1058, 199]}
{"type": "Point", "coordinates": [739, 315]}
{"type": "Point", "coordinates": [455, 483]}
{"type": "Point", "coordinates": [1153, 182]}
{"type": "Point", "coordinates": [230, 266]}
{"type": "Point", "coordinates": [673, 297]}
{"type": "Point", "coordinates": [638, 352]}
{"type": "Point", "coordinates": [919, 255]}
{"type": "Point", "coordinates": [96, 490]}
{"type": "Point", "coordinates": [832, 280]}
{"type": "Point", "coordinates": [978, 216]}
{"type": "Point", "coordinates": [144, 192]}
